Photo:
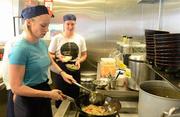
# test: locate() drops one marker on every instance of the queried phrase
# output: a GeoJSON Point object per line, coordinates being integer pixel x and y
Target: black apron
{"type": "Point", "coordinates": [10, 104]}
{"type": "Point", "coordinates": [33, 106]}
{"type": "Point", "coordinates": [68, 89]}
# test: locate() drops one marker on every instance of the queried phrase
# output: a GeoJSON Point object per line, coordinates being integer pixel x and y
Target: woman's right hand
{"type": "Point", "coordinates": [56, 94]}
{"type": "Point", "coordinates": [68, 78]}
{"type": "Point", "coordinates": [60, 57]}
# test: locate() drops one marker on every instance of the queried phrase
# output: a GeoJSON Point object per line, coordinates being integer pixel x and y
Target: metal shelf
{"type": "Point", "coordinates": [175, 82]}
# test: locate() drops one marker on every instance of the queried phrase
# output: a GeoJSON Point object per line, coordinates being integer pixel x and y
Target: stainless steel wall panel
{"type": "Point", "coordinates": [90, 23]}
{"type": "Point", "coordinates": [171, 16]}
{"type": "Point", "coordinates": [103, 22]}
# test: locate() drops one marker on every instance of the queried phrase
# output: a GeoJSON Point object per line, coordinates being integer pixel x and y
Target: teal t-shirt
{"type": "Point", "coordinates": [34, 57]}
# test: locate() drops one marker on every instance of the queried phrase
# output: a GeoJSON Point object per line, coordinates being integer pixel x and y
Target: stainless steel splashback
{"type": "Point", "coordinates": [171, 16]}
{"type": "Point", "coordinates": [91, 22]}
{"type": "Point", "coordinates": [103, 22]}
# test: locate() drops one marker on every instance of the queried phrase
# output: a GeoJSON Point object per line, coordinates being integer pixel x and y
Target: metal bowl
{"type": "Point", "coordinates": [101, 83]}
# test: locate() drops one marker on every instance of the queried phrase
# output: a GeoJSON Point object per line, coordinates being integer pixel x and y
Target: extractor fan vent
{"type": "Point", "coordinates": [147, 1]}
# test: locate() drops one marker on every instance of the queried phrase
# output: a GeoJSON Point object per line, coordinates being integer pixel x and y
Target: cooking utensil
{"type": "Point", "coordinates": [70, 98]}
{"type": "Point", "coordinates": [173, 112]}
{"type": "Point", "coordinates": [79, 85]}
{"type": "Point", "coordinates": [139, 71]}
{"type": "Point", "coordinates": [112, 102]}
{"type": "Point", "coordinates": [155, 97]}
{"type": "Point", "coordinates": [119, 72]}
{"type": "Point", "coordinates": [111, 107]}
{"type": "Point", "coordinates": [112, 82]}
{"type": "Point", "coordinates": [94, 97]}
{"type": "Point", "coordinates": [101, 83]}
{"type": "Point", "coordinates": [97, 98]}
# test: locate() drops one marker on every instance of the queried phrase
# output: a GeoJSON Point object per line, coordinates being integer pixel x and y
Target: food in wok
{"type": "Point", "coordinates": [110, 108]}
{"type": "Point", "coordinates": [96, 110]}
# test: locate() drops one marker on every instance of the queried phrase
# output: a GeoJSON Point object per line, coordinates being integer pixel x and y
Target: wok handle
{"type": "Point", "coordinates": [79, 85]}
{"type": "Point", "coordinates": [70, 98]}
{"type": "Point", "coordinates": [170, 112]}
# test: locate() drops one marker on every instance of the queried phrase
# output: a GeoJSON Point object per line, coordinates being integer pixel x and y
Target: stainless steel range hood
{"type": "Point", "coordinates": [147, 1]}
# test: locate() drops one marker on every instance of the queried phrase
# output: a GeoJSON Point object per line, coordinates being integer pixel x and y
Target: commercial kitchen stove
{"type": "Point", "coordinates": [128, 100]}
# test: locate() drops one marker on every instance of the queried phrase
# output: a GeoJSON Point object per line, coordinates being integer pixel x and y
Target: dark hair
{"type": "Point", "coordinates": [69, 17]}
{"type": "Point", "coordinates": [34, 11]}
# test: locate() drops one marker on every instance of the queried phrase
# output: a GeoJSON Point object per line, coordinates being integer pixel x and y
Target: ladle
{"type": "Point", "coordinates": [112, 102]}
{"type": "Point", "coordinates": [117, 75]}
{"type": "Point", "coordinates": [95, 97]}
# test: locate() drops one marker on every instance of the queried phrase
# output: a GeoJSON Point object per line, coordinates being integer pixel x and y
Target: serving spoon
{"type": "Point", "coordinates": [95, 97]}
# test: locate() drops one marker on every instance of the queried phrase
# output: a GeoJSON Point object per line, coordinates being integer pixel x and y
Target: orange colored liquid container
{"type": "Point", "coordinates": [107, 69]}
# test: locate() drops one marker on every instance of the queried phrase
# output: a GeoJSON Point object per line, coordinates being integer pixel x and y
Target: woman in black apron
{"type": "Point", "coordinates": [68, 44]}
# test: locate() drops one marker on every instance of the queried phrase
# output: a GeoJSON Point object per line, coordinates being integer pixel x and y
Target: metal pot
{"type": "Point", "coordinates": [89, 74]}
{"type": "Point", "coordinates": [155, 97]}
{"type": "Point", "coordinates": [87, 82]}
{"type": "Point", "coordinates": [139, 71]}
{"type": "Point", "coordinates": [87, 78]}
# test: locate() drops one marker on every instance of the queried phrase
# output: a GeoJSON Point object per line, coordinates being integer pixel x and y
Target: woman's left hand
{"type": "Point", "coordinates": [78, 63]}
{"type": "Point", "coordinates": [68, 78]}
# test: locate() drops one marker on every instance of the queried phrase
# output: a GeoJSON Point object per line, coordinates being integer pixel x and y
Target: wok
{"type": "Point", "coordinates": [113, 105]}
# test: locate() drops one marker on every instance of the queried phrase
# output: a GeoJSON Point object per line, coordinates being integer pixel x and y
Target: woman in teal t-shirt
{"type": "Point", "coordinates": [28, 70]}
